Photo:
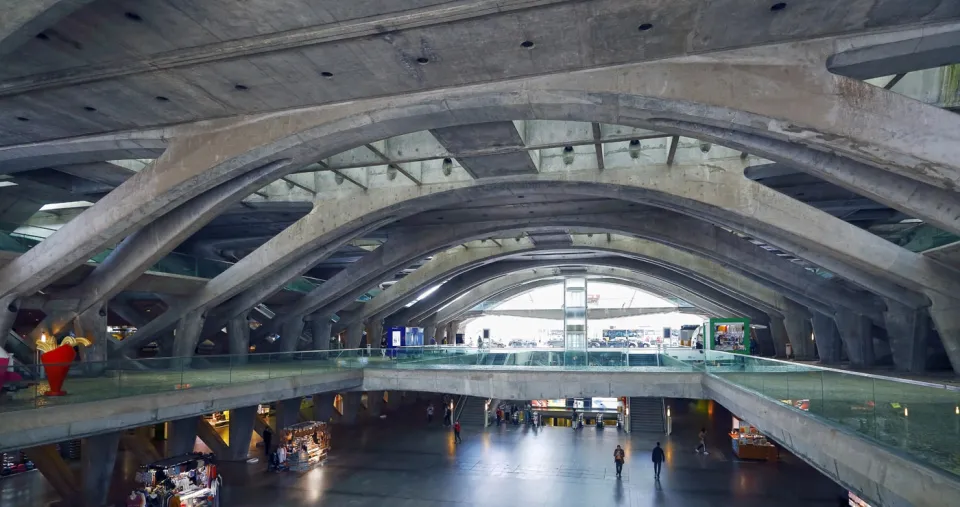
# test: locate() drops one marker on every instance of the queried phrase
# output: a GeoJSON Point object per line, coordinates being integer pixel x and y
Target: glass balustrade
{"type": "Point", "coordinates": [921, 419]}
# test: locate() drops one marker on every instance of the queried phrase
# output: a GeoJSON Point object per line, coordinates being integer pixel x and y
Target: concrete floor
{"type": "Point", "coordinates": [399, 462]}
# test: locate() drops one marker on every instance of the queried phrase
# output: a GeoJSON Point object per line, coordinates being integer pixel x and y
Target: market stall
{"type": "Point", "coordinates": [748, 443]}
{"type": "Point", "coordinates": [189, 480]}
{"type": "Point", "coordinates": [306, 444]}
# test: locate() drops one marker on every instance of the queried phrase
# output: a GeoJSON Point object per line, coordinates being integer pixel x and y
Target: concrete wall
{"type": "Point", "coordinates": [513, 384]}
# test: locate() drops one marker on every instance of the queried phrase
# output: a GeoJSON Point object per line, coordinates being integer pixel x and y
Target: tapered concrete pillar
{"type": "Point", "coordinates": [354, 335]}
{"type": "Point", "coordinates": [92, 325]}
{"type": "Point", "coordinates": [290, 335]}
{"type": "Point", "coordinates": [765, 342]}
{"type": "Point", "coordinates": [799, 333]}
{"type": "Point", "coordinates": [187, 335]}
{"type": "Point", "coordinates": [827, 338]}
{"type": "Point", "coordinates": [320, 327]}
{"type": "Point", "coordinates": [238, 334]}
{"type": "Point", "coordinates": [182, 436]}
{"type": "Point", "coordinates": [9, 306]}
{"type": "Point", "coordinates": [856, 334]}
{"type": "Point", "coordinates": [430, 333]}
{"type": "Point", "coordinates": [394, 400]}
{"type": "Point", "coordinates": [778, 332]}
{"type": "Point", "coordinates": [452, 329]}
{"type": "Point", "coordinates": [907, 330]}
{"type": "Point", "coordinates": [56, 471]}
{"type": "Point", "coordinates": [241, 431]}
{"type": "Point", "coordinates": [351, 406]}
{"type": "Point", "coordinates": [323, 406]}
{"type": "Point", "coordinates": [98, 456]}
{"type": "Point", "coordinates": [288, 413]}
{"type": "Point", "coordinates": [374, 332]}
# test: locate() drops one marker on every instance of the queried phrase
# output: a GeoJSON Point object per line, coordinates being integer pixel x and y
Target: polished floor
{"type": "Point", "coordinates": [399, 462]}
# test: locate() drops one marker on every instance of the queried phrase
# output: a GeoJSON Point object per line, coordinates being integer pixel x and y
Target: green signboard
{"type": "Point", "coordinates": [729, 335]}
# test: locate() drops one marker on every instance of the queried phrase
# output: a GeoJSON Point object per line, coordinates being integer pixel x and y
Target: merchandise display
{"type": "Point", "coordinates": [190, 480]}
{"type": "Point", "coordinates": [748, 443]}
{"type": "Point", "coordinates": [14, 462]}
{"type": "Point", "coordinates": [729, 335]}
{"type": "Point", "coordinates": [306, 444]}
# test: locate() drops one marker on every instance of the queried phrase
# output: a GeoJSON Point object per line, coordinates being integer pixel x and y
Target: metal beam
{"type": "Point", "coordinates": [298, 185]}
{"type": "Point", "coordinates": [386, 159]}
{"type": "Point", "coordinates": [485, 152]}
{"type": "Point", "coordinates": [674, 141]}
{"type": "Point", "coordinates": [598, 145]}
{"type": "Point", "coordinates": [893, 81]}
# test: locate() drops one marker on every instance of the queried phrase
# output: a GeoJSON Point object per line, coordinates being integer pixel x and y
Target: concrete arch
{"type": "Point", "coordinates": [507, 287]}
{"type": "Point", "coordinates": [707, 272]}
{"type": "Point", "coordinates": [675, 89]}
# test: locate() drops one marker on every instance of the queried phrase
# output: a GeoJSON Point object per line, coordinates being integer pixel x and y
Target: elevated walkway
{"type": "Point", "coordinates": [894, 442]}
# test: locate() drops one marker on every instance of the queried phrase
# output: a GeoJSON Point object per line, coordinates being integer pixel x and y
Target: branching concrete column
{"type": "Point", "coordinates": [183, 436]}
{"type": "Point", "coordinates": [856, 334]}
{"type": "Point", "coordinates": [452, 329]}
{"type": "Point", "coordinates": [945, 313]}
{"type": "Point", "coordinates": [290, 335]}
{"type": "Point", "coordinates": [288, 413]}
{"type": "Point", "coordinates": [323, 406]}
{"type": "Point", "coordinates": [56, 471]}
{"type": "Point", "coordinates": [187, 335]}
{"type": "Point", "coordinates": [351, 406]}
{"type": "Point", "coordinates": [98, 457]}
{"type": "Point", "coordinates": [827, 336]}
{"type": "Point", "coordinates": [394, 399]}
{"type": "Point", "coordinates": [238, 332]}
{"type": "Point", "coordinates": [778, 332]}
{"type": "Point", "coordinates": [798, 331]}
{"type": "Point", "coordinates": [765, 342]}
{"type": "Point", "coordinates": [241, 431]}
{"type": "Point", "coordinates": [9, 306]}
{"type": "Point", "coordinates": [354, 335]}
{"type": "Point", "coordinates": [429, 333]}
{"type": "Point", "coordinates": [321, 327]}
{"type": "Point", "coordinates": [92, 324]}
{"type": "Point", "coordinates": [907, 330]}
{"type": "Point", "coordinates": [374, 334]}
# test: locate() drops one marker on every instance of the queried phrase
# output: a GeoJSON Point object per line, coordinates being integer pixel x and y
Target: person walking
{"type": "Point", "coordinates": [658, 459]}
{"type": "Point", "coordinates": [618, 457]}
{"type": "Point", "coordinates": [456, 432]}
{"type": "Point", "coordinates": [267, 440]}
{"type": "Point", "coordinates": [430, 413]}
{"type": "Point", "coordinates": [702, 448]}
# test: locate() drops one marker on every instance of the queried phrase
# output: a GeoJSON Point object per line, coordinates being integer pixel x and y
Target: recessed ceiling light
{"type": "Point", "coordinates": [779, 6]}
{"type": "Point", "coordinates": [240, 87]}
{"type": "Point", "coordinates": [43, 36]}
{"type": "Point", "coordinates": [423, 60]}
{"type": "Point", "coordinates": [527, 44]}
{"type": "Point", "coordinates": [133, 16]}
{"type": "Point", "coordinates": [161, 98]}
{"type": "Point", "coordinates": [644, 27]}
{"type": "Point", "coordinates": [23, 118]}
{"type": "Point", "coordinates": [89, 108]}
{"type": "Point", "coordinates": [326, 74]}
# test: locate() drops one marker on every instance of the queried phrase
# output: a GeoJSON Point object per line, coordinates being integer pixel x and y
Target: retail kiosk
{"type": "Point", "coordinates": [729, 335]}
{"type": "Point", "coordinates": [307, 444]}
{"type": "Point", "coordinates": [189, 480]}
{"type": "Point", "coordinates": [748, 443]}
{"type": "Point", "coordinates": [400, 337]}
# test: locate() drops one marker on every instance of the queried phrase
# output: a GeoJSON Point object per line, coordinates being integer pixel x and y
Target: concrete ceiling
{"type": "Point", "coordinates": [115, 64]}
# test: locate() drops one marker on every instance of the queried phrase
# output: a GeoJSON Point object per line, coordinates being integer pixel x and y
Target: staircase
{"type": "Point", "coordinates": [647, 415]}
{"type": "Point", "coordinates": [470, 411]}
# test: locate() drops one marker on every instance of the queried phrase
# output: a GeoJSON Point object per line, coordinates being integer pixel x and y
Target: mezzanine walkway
{"type": "Point", "coordinates": [893, 440]}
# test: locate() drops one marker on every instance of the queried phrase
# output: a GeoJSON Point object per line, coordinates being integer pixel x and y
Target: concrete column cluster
{"type": "Point", "coordinates": [238, 334]}
{"type": "Point", "coordinates": [321, 327]}
{"type": "Point", "coordinates": [856, 332]}
{"type": "Point", "coordinates": [829, 345]}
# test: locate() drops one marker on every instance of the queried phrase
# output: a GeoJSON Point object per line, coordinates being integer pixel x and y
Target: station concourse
{"type": "Point", "coordinates": [224, 206]}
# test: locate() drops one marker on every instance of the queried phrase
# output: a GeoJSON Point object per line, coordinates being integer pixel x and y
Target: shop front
{"type": "Point", "coordinates": [306, 444]}
{"type": "Point", "coordinates": [189, 480]}
{"type": "Point", "coordinates": [748, 443]}
{"type": "Point", "coordinates": [729, 335]}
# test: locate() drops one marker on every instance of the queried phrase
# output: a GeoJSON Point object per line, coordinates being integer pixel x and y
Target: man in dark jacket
{"type": "Point", "coordinates": [618, 458]}
{"type": "Point", "coordinates": [658, 459]}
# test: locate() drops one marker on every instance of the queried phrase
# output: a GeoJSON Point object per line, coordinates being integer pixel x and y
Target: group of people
{"type": "Point", "coordinates": [657, 456]}
{"type": "Point", "coordinates": [447, 420]}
